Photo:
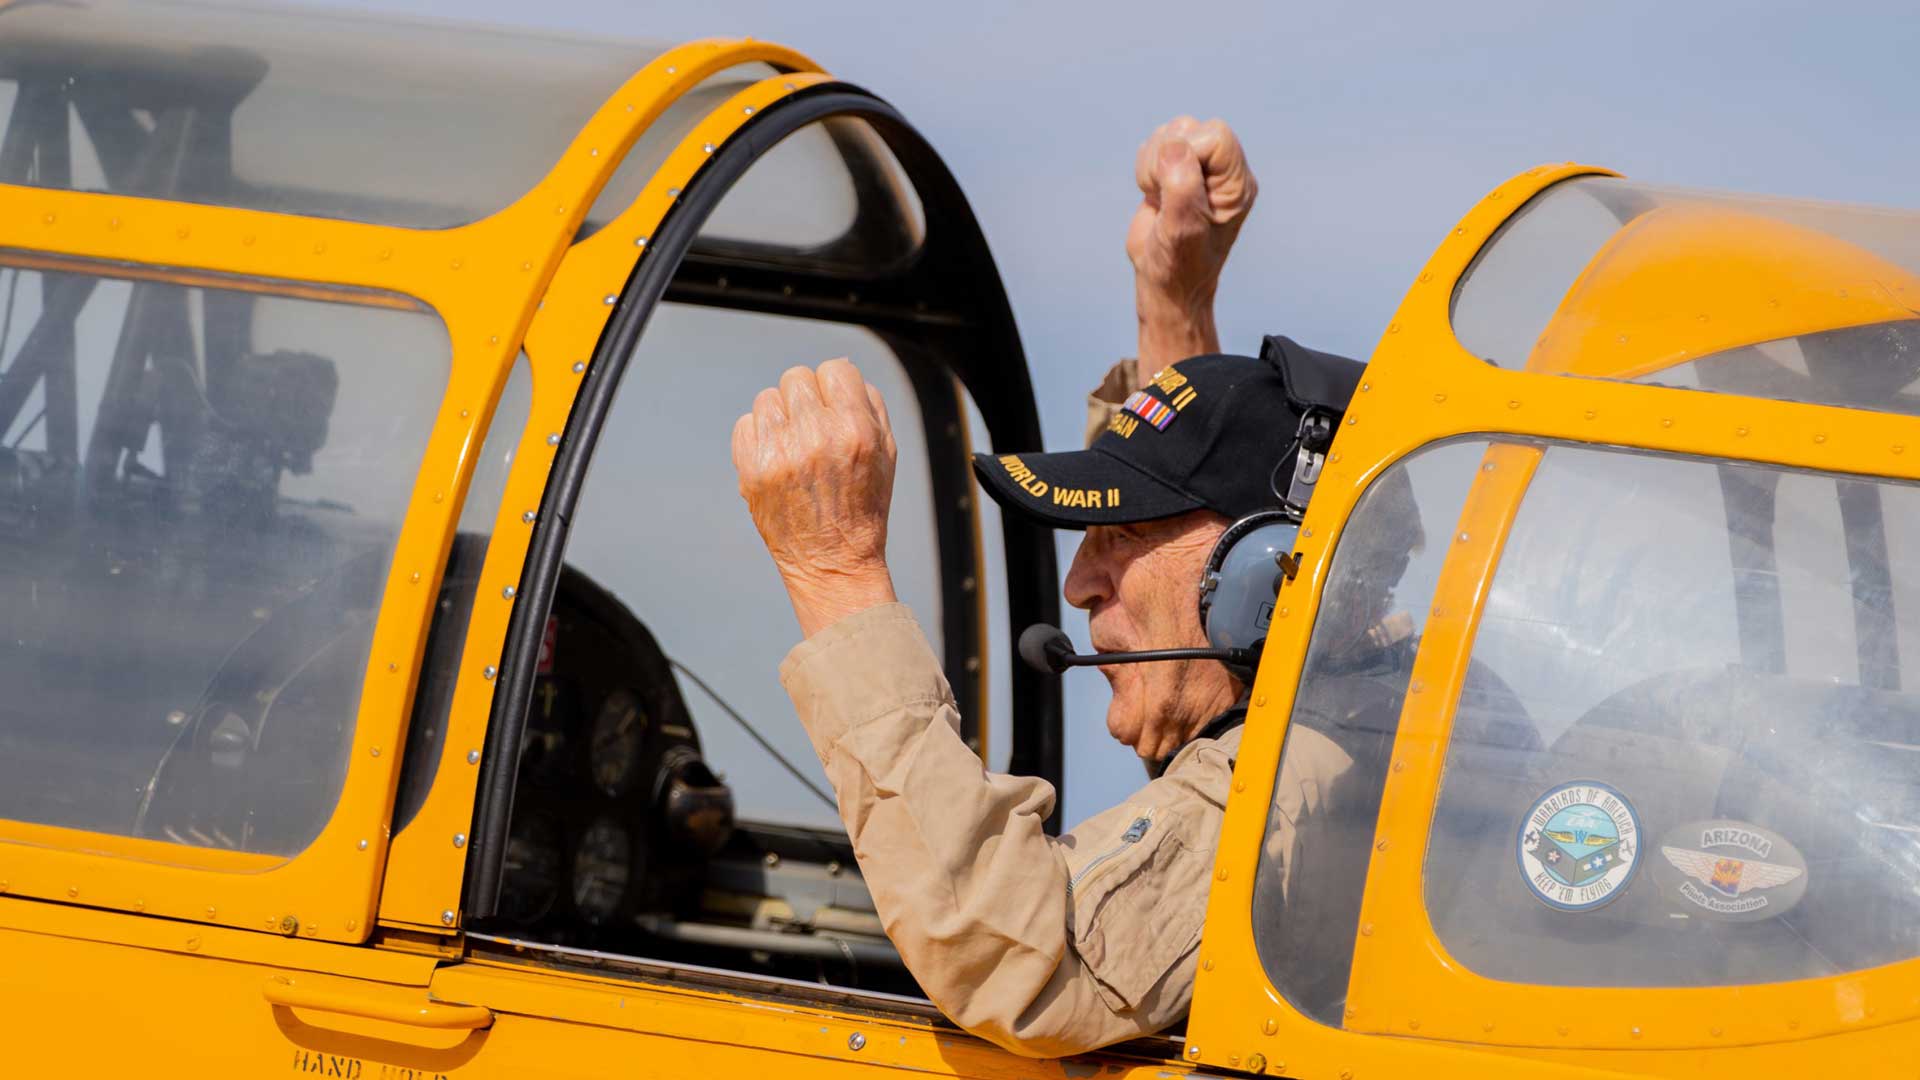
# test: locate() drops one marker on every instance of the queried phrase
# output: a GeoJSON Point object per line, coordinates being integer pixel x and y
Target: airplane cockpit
{"type": "Point", "coordinates": [214, 475]}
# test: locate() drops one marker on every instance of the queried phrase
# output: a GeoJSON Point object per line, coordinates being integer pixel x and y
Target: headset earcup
{"type": "Point", "coordinates": [1238, 586]}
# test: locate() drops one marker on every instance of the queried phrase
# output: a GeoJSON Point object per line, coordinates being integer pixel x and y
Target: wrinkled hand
{"type": "Point", "coordinates": [816, 458]}
{"type": "Point", "coordinates": [1196, 190]}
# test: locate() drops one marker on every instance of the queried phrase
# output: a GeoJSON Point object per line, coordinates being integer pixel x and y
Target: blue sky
{"type": "Point", "coordinates": [1371, 128]}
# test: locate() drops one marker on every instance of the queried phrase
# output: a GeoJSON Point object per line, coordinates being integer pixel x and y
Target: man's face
{"type": "Point", "coordinates": [1140, 585]}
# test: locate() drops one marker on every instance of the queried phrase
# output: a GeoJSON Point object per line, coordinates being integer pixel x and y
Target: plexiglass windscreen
{"type": "Point", "coordinates": [1798, 301]}
{"type": "Point", "coordinates": [368, 118]}
{"type": "Point", "coordinates": [1702, 767]}
{"type": "Point", "coordinates": [1378, 595]}
{"type": "Point", "coordinates": [200, 491]}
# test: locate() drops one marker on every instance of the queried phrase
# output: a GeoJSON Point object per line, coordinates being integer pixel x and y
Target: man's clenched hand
{"type": "Point", "coordinates": [816, 458]}
{"type": "Point", "coordinates": [1196, 190]}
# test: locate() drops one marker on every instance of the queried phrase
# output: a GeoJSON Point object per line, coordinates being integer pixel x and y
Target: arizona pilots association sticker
{"type": "Point", "coordinates": [1734, 870]}
{"type": "Point", "coordinates": [1579, 845]}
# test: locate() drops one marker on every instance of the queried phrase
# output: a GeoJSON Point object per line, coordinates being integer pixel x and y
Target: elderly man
{"type": "Point", "coordinates": [1047, 946]}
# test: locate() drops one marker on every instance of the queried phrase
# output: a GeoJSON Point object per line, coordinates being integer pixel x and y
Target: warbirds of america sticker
{"type": "Point", "coordinates": [1734, 871]}
{"type": "Point", "coordinates": [1579, 845]}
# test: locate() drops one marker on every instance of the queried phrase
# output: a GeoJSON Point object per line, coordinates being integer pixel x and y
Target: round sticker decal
{"type": "Point", "coordinates": [1579, 845]}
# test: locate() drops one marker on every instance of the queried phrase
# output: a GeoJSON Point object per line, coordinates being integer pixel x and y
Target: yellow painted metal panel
{"type": "Point", "coordinates": [78, 1007]}
{"type": "Point", "coordinates": [485, 280]}
{"type": "Point", "coordinates": [1422, 386]}
{"type": "Point", "coordinates": [605, 1025]}
{"type": "Point", "coordinates": [288, 948]}
{"type": "Point", "coordinates": [425, 873]}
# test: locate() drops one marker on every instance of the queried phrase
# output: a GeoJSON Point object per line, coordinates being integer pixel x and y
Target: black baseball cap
{"type": "Point", "coordinates": [1206, 432]}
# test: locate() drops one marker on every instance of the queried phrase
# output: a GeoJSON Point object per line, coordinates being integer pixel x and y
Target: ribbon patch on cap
{"type": "Point", "coordinates": [1150, 408]}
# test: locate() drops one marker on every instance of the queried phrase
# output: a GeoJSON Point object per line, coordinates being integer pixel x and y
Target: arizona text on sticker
{"type": "Point", "coordinates": [1734, 870]}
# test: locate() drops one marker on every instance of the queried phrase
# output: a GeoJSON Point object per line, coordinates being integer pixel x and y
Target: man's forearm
{"type": "Point", "coordinates": [1172, 328]}
{"type": "Point", "coordinates": [821, 599]}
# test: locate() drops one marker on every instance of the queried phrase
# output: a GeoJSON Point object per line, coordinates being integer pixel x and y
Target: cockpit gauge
{"type": "Point", "coordinates": [531, 868]}
{"type": "Point", "coordinates": [602, 867]}
{"type": "Point", "coordinates": [619, 729]}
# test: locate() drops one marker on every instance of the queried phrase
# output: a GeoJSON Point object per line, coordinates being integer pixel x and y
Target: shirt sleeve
{"type": "Point", "coordinates": [1046, 946]}
{"type": "Point", "coordinates": [1121, 379]}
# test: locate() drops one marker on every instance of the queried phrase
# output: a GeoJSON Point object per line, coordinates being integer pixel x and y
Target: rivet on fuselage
{"type": "Point", "coordinates": [362, 845]}
{"type": "Point", "coordinates": [507, 592]}
{"type": "Point", "coordinates": [489, 672]}
{"type": "Point", "coordinates": [579, 366]}
{"type": "Point", "coordinates": [473, 757]}
{"type": "Point", "coordinates": [459, 839]}
{"type": "Point", "coordinates": [446, 917]}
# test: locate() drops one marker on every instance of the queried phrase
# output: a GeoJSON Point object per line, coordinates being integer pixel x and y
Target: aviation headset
{"type": "Point", "coordinates": [1254, 556]}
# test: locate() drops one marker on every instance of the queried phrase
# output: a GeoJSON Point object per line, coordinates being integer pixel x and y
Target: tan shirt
{"type": "Point", "coordinates": [1048, 946]}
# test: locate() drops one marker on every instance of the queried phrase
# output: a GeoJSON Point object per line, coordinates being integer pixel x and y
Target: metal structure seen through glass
{"type": "Point", "coordinates": [200, 491]}
{"type": "Point", "coordinates": [391, 121]}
